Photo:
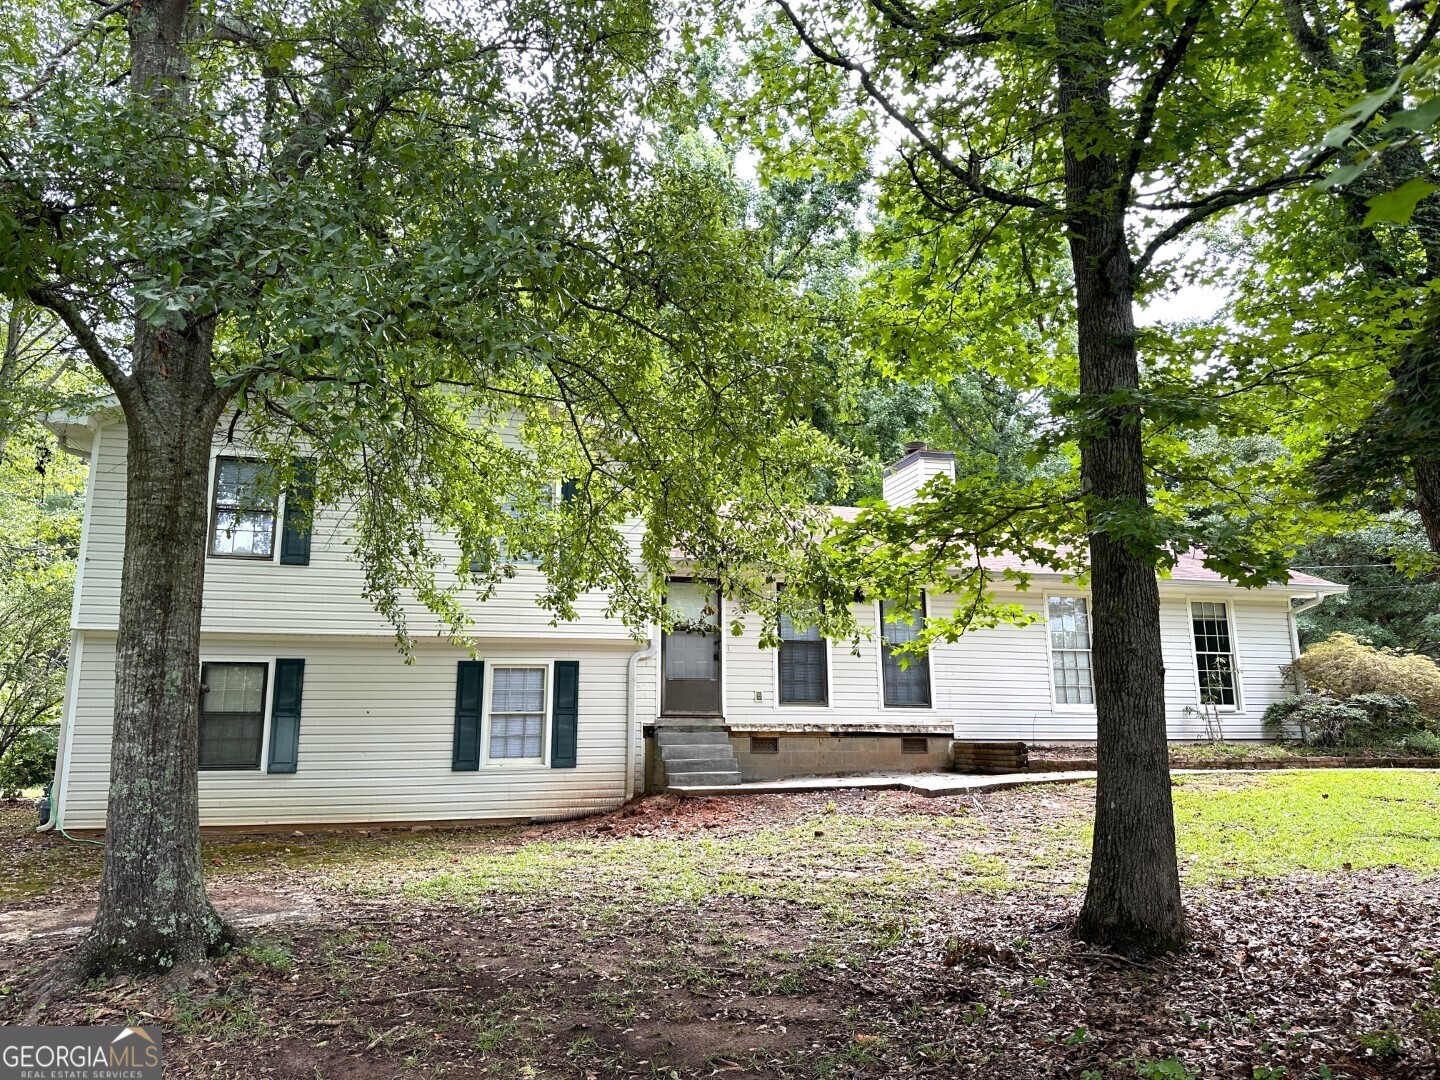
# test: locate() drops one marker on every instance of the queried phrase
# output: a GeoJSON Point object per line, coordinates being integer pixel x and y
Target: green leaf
{"type": "Point", "coordinates": [1398, 205]}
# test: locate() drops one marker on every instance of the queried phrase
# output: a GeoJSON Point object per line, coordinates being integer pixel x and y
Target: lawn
{"type": "Point", "coordinates": [864, 934]}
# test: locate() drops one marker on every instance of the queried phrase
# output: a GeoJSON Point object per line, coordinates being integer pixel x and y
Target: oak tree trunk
{"type": "Point", "coordinates": [1132, 903]}
{"type": "Point", "coordinates": [154, 913]}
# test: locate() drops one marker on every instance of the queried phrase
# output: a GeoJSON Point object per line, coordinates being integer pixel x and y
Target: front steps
{"type": "Point", "coordinates": [696, 752]}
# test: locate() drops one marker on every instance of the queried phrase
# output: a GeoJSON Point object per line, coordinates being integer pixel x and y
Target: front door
{"type": "Point", "coordinates": [690, 654]}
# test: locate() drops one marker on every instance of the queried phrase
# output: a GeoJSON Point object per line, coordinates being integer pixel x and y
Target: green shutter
{"type": "Point", "coordinates": [285, 715]}
{"type": "Point", "coordinates": [295, 538]}
{"type": "Point", "coordinates": [565, 714]}
{"type": "Point", "coordinates": [469, 694]}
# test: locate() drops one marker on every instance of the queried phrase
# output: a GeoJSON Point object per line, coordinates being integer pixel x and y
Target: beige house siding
{"type": "Point", "coordinates": [375, 739]}
{"type": "Point", "coordinates": [324, 598]}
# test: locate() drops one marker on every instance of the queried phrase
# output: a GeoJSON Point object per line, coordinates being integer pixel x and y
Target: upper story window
{"type": "Point", "coordinates": [242, 524]}
{"type": "Point", "coordinates": [1214, 654]}
{"type": "Point", "coordinates": [232, 715]}
{"type": "Point", "coordinates": [906, 676]}
{"type": "Point", "coordinates": [803, 665]}
{"type": "Point", "coordinates": [1070, 649]}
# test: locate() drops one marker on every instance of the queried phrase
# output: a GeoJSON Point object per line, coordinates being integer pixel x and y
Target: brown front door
{"type": "Point", "coordinates": [690, 654]}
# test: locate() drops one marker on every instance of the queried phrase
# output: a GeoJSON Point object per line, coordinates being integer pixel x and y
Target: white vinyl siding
{"type": "Point", "coordinates": [325, 598]}
{"type": "Point", "coordinates": [376, 739]}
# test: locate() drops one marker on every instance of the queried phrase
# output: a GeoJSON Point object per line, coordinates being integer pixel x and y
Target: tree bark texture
{"type": "Point", "coordinates": [1132, 903]}
{"type": "Point", "coordinates": [154, 913]}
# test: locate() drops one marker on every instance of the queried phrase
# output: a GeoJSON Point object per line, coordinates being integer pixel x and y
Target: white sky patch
{"type": "Point", "coordinates": [1189, 303]}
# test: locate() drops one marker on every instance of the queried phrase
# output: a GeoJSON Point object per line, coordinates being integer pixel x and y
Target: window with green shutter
{"type": "Point", "coordinates": [285, 716]}
{"type": "Point", "coordinates": [565, 714]}
{"type": "Point", "coordinates": [299, 511]}
{"type": "Point", "coordinates": [469, 702]}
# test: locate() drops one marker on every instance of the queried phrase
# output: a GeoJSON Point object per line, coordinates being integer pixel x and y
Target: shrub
{"type": "Point", "coordinates": [30, 761]}
{"type": "Point", "coordinates": [1345, 666]}
{"type": "Point", "coordinates": [1361, 720]}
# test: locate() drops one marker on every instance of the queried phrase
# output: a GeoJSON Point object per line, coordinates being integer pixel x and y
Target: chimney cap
{"type": "Point", "coordinates": [916, 446]}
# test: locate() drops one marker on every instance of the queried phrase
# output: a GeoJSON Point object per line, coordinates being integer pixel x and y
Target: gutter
{"type": "Point", "coordinates": [648, 652]}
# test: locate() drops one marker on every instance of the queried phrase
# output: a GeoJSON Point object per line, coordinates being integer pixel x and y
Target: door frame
{"type": "Point", "coordinates": [719, 650]}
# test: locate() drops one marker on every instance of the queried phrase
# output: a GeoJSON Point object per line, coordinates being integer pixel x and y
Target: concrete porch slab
{"type": "Point", "coordinates": [929, 784]}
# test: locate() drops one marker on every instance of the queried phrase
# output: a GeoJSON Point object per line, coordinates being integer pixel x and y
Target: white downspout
{"type": "Point", "coordinates": [651, 645]}
{"type": "Point", "coordinates": [1299, 609]}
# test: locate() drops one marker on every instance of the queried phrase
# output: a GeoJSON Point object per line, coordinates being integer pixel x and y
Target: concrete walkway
{"type": "Point", "coordinates": [929, 784]}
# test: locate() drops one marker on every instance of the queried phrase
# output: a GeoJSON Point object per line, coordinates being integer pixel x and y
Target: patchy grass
{"type": "Point", "coordinates": [1320, 820]}
{"type": "Point", "coordinates": [808, 937]}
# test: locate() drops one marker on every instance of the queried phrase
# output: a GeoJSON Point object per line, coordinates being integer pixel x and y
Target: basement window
{"type": "Point", "coordinates": [914, 744]}
{"type": "Point", "coordinates": [764, 744]}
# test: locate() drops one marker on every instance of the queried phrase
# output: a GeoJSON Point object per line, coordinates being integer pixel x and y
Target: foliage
{"type": "Point", "coordinates": [40, 503]}
{"type": "Point", "coordinates": [1361, 720]}
{"type": "Point", "coordinates": [30, 761]}
{"type": "Point", "coordinates": [1385, 606]}
{"type": "Point", "coordinates": [1343, 665]}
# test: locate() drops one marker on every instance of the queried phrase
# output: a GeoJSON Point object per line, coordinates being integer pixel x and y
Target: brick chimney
{"type": "Point", "coordinates": [903, 480]}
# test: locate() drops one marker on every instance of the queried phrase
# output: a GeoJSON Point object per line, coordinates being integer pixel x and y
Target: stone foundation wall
{"type": "Point", "coordinates": [836, 755]}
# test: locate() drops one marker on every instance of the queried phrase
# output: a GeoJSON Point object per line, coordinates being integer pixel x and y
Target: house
{"type": "Point", "coordinates": [311, 717]}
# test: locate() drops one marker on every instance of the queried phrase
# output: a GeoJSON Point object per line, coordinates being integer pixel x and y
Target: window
{"type": "Point", "coordinates": [1070, 649]}
{"type": "Point", "coordinates": [517, 714]}
{"type": "Point", "coordinates": [232, 715]}
{"type": "Point", "coordinates": [243, 523]}
{"type": "Point", "coordinates": [905, 687]}
{"type": "Point", "coordinates": [1214, 654]}
{"type": "Point", "coordinates": [803, 664]}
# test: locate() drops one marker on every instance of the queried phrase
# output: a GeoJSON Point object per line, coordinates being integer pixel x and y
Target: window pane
{"type": "Point", "coordinates": [244, 522]}
{"type": "Point", "coordinates": [1069, 622]}
{"type": "Point", "coordinates": [517, 712]}
{"type": "Point", "coordinates": [1214, 654]}
{"type": "Point", "coordinates": [232, 715]}
{"type": "Point", "coordinates": [909, 686]}
{"type": "Point", "coordinates": [802, 672]}
{"type": "Point", "coordinates": [789, 632]}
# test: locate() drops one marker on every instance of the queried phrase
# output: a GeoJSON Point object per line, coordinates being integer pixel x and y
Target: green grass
{"type": "Point", "coordinates": [1315, 820]}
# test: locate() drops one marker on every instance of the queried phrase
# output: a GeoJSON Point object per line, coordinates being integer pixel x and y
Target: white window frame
{"type": "Point", "coordinates": [547, 696]}
{"type": "Point", "coordinates": [1055, 702]}
{"type": "Point", "coordinates": [210, 513]}
{"type": "Point", "coordinates": [829, 682]}
{"type": "Point", "coordinates": [268, 662]}
{"type": "Point", "coordinates": [1191, 599]}
{"type": "Point", "coordinates": [904, 710]}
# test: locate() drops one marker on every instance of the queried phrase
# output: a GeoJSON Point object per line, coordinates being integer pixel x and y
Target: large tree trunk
{"type": "Point", "coordinates": [1427, 498]}
{"type": "Point", "coordinates": [1132, 904]}
{"type": "Point", "coordinates": [154, 914]}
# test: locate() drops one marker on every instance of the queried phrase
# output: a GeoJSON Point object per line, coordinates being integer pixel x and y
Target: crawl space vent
{"type": "Point", "coordinates": [765, 744]}
{"type": "Point", "coordinates": [914, 744]}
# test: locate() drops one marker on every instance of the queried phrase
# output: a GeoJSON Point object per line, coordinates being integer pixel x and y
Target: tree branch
{"type": "Point", "coordinates": [46, 297]}
{"type": "Point", "coordinates": [1149, 105]}
{"type": "Point", "coordinates": [966, 177]}
{"type": "Point", "coordinates": [1313, 41]}
{"type": "Point", "coordinates": [1423, 42]}
{"type": "Point", "coordinates": [1223, 200]}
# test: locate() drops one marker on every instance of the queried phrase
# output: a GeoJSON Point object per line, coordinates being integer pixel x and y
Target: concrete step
{"type": "Point", "coordinates": [675, 767]}
{"type": "Point", "coordinates": [706, 779]}
{"type": "Point", "coordinates": [690, 723]}
{"type": "Point", "coordinates": [666, 737]}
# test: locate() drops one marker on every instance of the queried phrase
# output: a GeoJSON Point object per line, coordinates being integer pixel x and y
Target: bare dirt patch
{"type": "Point", "coordinates": [818, 936]}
